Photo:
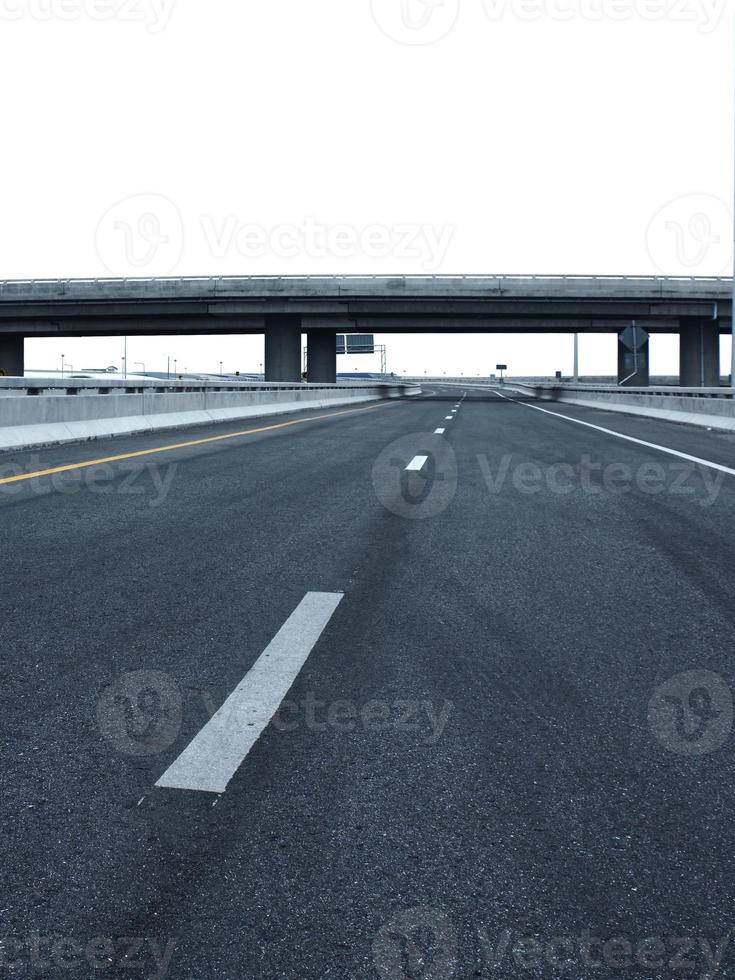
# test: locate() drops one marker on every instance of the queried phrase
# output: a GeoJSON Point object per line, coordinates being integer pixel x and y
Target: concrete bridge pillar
{"type": "Point", "coordinates": [283, 348]}
{"type": "Point", "coordinates": [321, 357]}
{"type": "Point", "coordinates": [699, 354]}
{"type": "Point", "coordinates": [11, 355]}
{"type": "Point", "coordinates": [627, 367]}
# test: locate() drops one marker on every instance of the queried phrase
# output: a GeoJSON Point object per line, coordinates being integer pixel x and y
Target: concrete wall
{"type": "Point", "coordinates": [713, 408]}
{"type": "Point", "coordinates": [42, 413]}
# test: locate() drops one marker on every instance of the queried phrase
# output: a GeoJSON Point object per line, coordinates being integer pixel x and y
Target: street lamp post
{"type": "Point", "coordinates": [142, 364]}
{"type": "Point", "coordinates": [62, 366]}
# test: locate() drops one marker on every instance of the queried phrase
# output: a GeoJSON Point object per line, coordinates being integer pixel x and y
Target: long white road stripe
{"type": "Point", "coordinates": [213, 757]}
{"type": "Point", "coordinates": [417, 463]}
{"type": "Point", "coordinates": [449, 418]}
{"type": "Point", "coordinates": [439, 432]}
{"type": "Point", "coordinates": [620, 435]}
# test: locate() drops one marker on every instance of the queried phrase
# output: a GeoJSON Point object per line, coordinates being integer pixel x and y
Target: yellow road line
{"type": "Point", "coordinates": [186, 445]}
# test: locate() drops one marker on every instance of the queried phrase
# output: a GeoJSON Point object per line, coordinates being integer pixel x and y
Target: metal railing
{"type": "Point", "coordinates": [378, 278]}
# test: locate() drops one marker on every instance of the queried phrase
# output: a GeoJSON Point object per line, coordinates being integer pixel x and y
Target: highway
{"type": "Point", "coordinates": [501, 662]}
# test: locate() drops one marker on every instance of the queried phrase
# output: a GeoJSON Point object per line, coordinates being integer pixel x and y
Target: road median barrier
{"type": "Point", "coordinates": [38, 411]}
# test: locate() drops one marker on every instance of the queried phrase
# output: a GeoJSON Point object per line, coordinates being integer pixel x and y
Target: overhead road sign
{"type": "Point", "coordinates": [355, 343]}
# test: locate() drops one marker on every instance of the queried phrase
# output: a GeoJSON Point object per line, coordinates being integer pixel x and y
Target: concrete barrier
{"type": "Point", "coordinates": [43, 412]}
{"type": "Point", "coordinates": [713, 408]}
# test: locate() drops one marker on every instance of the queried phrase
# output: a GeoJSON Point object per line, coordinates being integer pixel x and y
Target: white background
{"type": "Point", "coordinates": [501, 136]}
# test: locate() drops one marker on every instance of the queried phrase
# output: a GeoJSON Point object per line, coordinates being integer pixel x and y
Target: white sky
{"type": "Point", "coordinates": [148, 137]}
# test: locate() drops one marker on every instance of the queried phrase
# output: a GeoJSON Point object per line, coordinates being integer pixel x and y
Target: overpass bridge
{"type": "Point", "coordinates": [284, 307]}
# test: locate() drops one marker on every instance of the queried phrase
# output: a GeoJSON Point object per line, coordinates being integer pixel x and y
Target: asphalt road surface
{"type": "Point", "coordinates": [501, 660]}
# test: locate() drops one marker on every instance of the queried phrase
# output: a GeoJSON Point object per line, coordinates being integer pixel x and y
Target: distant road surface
{"type": "Point", "coordinates": [500, 647]}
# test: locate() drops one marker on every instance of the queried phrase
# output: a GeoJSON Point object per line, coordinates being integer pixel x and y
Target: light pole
{"type": "Point", "coordinates": [220, 369]}
{"type": "Point", "coordinates": [142, 364]}
{"type": "Point", "coordinates": [125, 357]}
{"type": "Point", "coordinates": [576, 359]}
{"type": "Point", "coordinates": [62, 366]}
{"type": "Point", "coordinates": [168, 368]}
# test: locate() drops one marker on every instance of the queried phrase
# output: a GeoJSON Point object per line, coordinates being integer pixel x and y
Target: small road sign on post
{"type": "Point", "coordinates": [501, 368]}
{"type": "Point", "coordinates": [634, 337]}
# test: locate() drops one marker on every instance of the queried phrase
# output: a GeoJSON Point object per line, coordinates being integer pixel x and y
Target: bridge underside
{"type": "Point", "coordinates": [283, 309]}
{"type": "Point", "coordinates": [699, 340]}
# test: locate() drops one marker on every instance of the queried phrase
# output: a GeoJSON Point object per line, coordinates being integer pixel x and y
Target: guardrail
{"type": "Point", "coordinates": [713, 408]}
{"type": "Point", "coordinates": [665, 392]}
{"type": "Point", "coordinates": [378, 278]}
{"type": "Point", "coordinates": [710, 289]}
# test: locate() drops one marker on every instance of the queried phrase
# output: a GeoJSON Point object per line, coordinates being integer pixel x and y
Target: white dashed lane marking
{"type": "Point", "coordinates": [213, 757]}
{"type": "Point", "coordinates": [417, 464]}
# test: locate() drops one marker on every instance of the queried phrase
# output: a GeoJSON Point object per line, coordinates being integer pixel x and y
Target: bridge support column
{"type": "Point", "coordinates": [699, 355]}
{"type": "Point", "coordinates": [282, 348]}
{"type": "Point", "coordinates": [11, 355]}
{"type": "Point", "coordinates": [627, 375]}
{"type": "Point", "coordinates": [321, 357]}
